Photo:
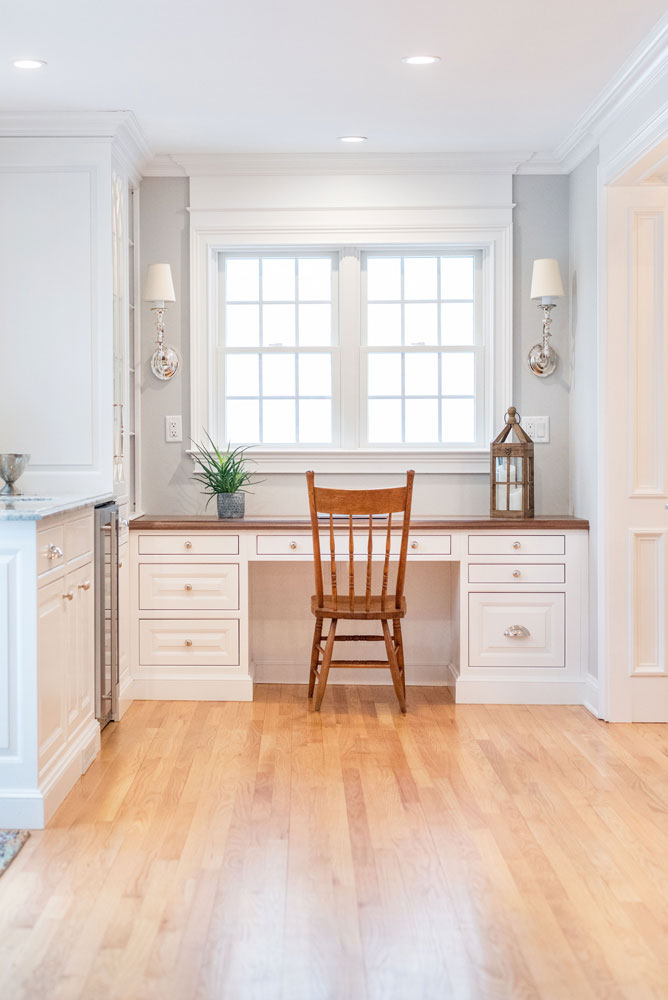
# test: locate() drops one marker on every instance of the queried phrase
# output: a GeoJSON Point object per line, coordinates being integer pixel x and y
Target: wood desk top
{"type": "Point", "coordinates": [468, 522]}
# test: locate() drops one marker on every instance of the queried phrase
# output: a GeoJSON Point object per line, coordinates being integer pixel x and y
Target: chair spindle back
{"type": "Point", "coordinates": [367, 503]}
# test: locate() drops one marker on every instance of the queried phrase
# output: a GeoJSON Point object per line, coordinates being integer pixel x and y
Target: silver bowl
{"type": "Point", "coordinates": [11, 469]}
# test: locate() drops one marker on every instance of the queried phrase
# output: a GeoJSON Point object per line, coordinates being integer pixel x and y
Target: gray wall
{"type": "Point", "coordinates": [541, 230]}
{"type": "Point", "coordinates": [583, 397]}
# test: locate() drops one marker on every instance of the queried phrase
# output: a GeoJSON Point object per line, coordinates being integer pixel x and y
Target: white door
{"type": "Point", "coordinates": [634, 464]}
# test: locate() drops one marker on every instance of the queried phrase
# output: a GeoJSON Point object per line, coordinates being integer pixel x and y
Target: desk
{"type": "Point", "coordinates": [518, 605]}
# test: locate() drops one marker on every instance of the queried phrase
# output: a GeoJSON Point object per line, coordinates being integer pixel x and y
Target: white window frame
{"type": "Point", "coordinates": [488, 230]}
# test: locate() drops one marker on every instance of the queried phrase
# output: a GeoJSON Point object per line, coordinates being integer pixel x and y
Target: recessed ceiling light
{"type": "Point", "coordinates": [28, 63]}
{"type": "Point", "coordinates": [420, 60]}
{"type": "Point", "coordinates": [352, 138]}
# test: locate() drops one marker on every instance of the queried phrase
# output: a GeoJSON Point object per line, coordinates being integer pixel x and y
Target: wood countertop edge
{"type": "Point", "coordinates": [207, 522]}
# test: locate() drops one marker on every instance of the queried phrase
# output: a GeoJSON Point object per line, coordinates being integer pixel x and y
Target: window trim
{"type": "Point", "coordinates": [488, 229]}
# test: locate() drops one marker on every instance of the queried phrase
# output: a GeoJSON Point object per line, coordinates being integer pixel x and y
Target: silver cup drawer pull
{"type": "Point", "coordinates": [54, 552]}
{"type": "Point", "coordinates": [517, 632]}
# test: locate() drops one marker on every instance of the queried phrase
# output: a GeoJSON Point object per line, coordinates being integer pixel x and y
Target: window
{"type": "Point", "coordinates": [423, 348]}
{"type": "Point", "coordinates": [401, 364]}
{"type": "Point", "coordinates": [278, 328]}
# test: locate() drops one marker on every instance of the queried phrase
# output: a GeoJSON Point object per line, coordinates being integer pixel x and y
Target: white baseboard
{"type": "Point", "coordinates": [32, 808]}
{"type": "Point", "coordinates": [124, 697]}
{"type": "Point", "coordinates": [518, 691]}
{"type": "Point", "coordinates": [417, 674]}
{"type": "Point", "coordinates": [591, 702]}
{"type": "Point", "coordinates": [190, 689]}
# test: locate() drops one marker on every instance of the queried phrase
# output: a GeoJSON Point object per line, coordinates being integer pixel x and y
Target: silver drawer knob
{"type": "Point", "coordinates": [293, 545]}
{"type": "Point", "coordinates": [85, 585]}
{"type": "Point", "coordinates": [189, 642]}
{"type": "Point", "coordinates": [187, 545]}
{"type": "Point", "coordinates": [517, 632]}
{"type": "Point", "coordinates": [517, 545]}
{"type": "Point", "coordinates": [54, 552]}
{"type": "Point", "coordinates": [189, 586]}
{"type": "Point", "coordinates": [69, 596]}
{"type": "Point", "coordinates": [414, 545]}
{"type": "Point", "coordinates": [516, 574]}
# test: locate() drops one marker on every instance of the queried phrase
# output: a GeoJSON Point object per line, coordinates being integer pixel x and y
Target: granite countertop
{"type": "Point", "coordinates": [34, 508]}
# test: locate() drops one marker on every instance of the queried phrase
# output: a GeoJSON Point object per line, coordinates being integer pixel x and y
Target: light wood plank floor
{"type": "Point", "coordinates": [260, 851]}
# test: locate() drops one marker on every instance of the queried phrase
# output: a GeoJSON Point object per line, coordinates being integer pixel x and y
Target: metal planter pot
{"type": "Point", "coordinates": [231, 504]}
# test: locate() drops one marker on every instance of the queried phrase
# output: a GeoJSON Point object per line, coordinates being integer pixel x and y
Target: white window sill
{"type": "Point", "coordinates": [371, 460]}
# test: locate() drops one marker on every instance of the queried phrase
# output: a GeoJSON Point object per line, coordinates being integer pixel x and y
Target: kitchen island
{"type": "Point", "coordinates": [48, 731]}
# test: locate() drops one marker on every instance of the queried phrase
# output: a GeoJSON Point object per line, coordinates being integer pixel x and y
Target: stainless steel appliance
{"type": "Point", "coordinates": [106, 613]}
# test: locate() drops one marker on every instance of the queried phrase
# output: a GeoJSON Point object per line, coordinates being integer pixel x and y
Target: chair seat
{"type": "Point", "coordinates": [339, 607]}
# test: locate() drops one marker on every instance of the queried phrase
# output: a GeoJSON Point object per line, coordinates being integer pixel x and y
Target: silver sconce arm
{"type": "Point", "coordinates": [165, 360]}
{"type": "Point", "coordinates": [542, 358]}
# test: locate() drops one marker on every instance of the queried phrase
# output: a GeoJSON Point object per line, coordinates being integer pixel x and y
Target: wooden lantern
{"type": "Point", "coordinates": [511, 473]}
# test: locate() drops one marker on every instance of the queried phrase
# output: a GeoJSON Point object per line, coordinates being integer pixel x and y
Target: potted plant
{"type": "Point", "coordinates": [223, 475]}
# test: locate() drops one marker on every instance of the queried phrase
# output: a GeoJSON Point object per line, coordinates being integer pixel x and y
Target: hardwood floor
{"type": "Point", "coordinates": [262, 851]}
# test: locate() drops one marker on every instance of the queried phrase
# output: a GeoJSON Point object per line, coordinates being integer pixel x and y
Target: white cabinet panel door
{"type": "Point", "coordinates": [516, 630]}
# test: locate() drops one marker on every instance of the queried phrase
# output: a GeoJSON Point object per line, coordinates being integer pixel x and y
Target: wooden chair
{"type": "Point", "coordinates": [334, 606]}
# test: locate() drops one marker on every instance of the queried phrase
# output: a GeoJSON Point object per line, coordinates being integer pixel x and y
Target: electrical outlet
{"type": "Point", "coordinates": [538, 429]}
{"type": "Point", "coordinates": [173, 431]}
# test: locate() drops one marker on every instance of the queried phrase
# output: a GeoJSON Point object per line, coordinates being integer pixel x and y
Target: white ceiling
{"type": "Point", "coordinates": [293, 75]}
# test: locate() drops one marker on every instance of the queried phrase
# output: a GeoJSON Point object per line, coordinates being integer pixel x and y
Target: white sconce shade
{"type": "Point", "coordinates": [159, 286]}
{"type": "Point", "coordinates": [546, 279]}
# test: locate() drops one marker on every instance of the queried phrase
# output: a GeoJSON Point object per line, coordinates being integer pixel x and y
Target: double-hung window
{"type": "Point", "coordinates": [279, 348]}
{"type": "Point", "coordinates": [354, 349]}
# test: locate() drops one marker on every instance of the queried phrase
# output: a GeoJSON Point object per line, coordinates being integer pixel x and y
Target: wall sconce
{"type": "Point", "coordinates": [159, 289]}
{"type": "Point", "coordinates": [545, 285]}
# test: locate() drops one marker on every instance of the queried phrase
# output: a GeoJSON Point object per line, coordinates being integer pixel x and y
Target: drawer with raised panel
{"type": "Point", "coordinates": [514, 573]}
{"type": "Point", "coordinates": [517, 545]}
{"type": "Point", "coordinates": [201, 642]}
{"type": "Point", "coordinates": [196, 587]}
{"type": "Point", "coordinates": [194, 544]}
{"type": "Point", "coordinates": [516, 630]}
{"type": "Point", "coordinates": [50, 549]}
{"type": "Point", "coordinates": [302, 545]}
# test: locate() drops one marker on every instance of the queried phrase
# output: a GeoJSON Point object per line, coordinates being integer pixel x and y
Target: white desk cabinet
{"type": "Point", "coordinates": [517, 603]}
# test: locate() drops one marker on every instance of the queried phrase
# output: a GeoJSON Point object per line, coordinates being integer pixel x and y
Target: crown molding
{"type": "Point", "coordinates": [120, 127]}
{"type": "Point", "coordinates": [644, 67]}
{"type": "Point", "coordinates": [309, 164]}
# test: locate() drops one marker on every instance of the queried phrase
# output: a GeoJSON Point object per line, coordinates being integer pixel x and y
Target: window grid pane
{"type": "Point", "coordinates": [277, 347]}
{"type": "Point", "coordinates": [435, 297]}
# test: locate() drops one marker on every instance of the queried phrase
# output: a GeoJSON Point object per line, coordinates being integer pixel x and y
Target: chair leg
{"type": "Point", "coordinates": [398, 638]}
{"type": "Point", "coordinates": [324, 666]}
{"type": "Point", "coordinates": [394, 667]}
{"type": "Point", "coordinates": [315, 653]}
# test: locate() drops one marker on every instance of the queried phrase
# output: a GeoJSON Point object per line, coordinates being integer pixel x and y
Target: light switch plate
{"type": "Point", "coordinates": [538, 429]}
{"type": "Point", "coordinates": [173, 429]}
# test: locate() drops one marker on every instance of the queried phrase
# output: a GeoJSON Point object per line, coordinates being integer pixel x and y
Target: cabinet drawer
{"type": "Point", "coordinates": [302, 545]}
{"type": "Point", "coordinates": [194, 544]}
{"type": "Point", "coordinates": [509, 630]}
{"type": "Point", "coordinates": [289, 545]}
{"type": "Point", "coordinates": [78, 537]}
{"type": "Point", "coordinates": [517, 545]}
{"type": "Point", "coordinates": [199, 587]}
{"type": "Point", "coordinates": [432, 545]}
{"type": "Point", "coordinates": [50, 549]}
{"type": "Point", "coordinates": [199, 642]}
{"type": "Point", "coordinates": [514, 573]}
